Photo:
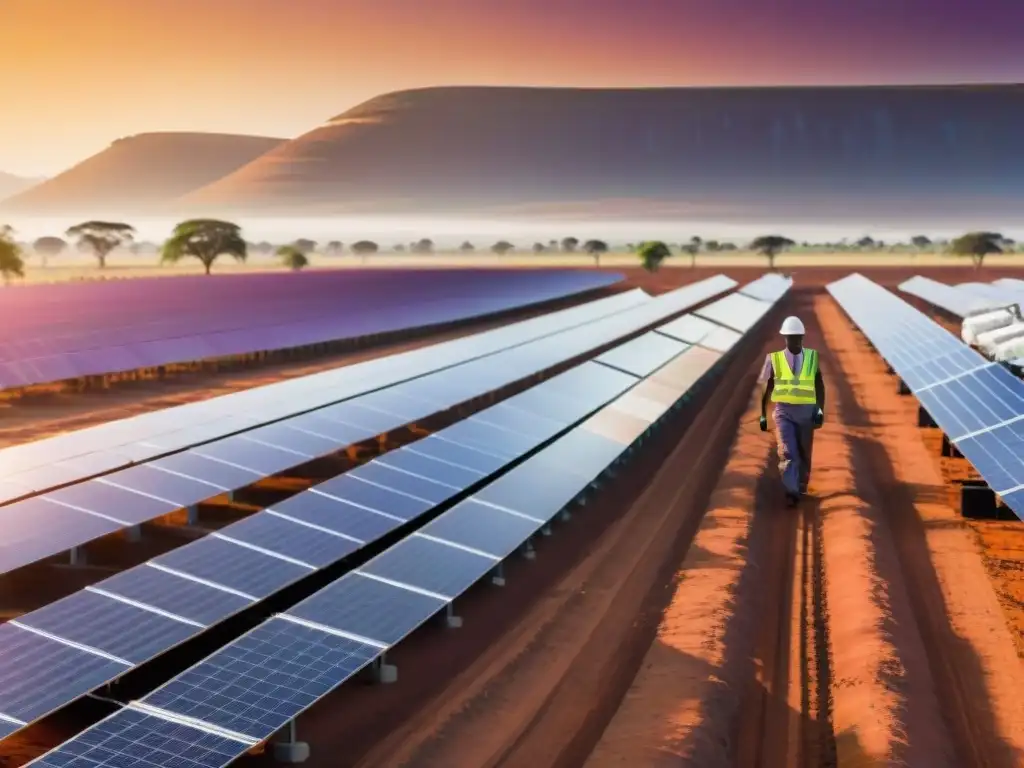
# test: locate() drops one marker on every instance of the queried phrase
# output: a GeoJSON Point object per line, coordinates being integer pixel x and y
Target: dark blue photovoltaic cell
{"type": "Point", "coordinates": [201, 468]}
{"type": "Point", "coordinates": [374, 497]}
{"type": "Point", "coordinates": [1015, 501]}
{"type": "Point", "coordinates": [174, 594]}
{"type": "Point", "coordinates": [282, 436]}
{"type": "Point", "coordinates": [38, 675]}
{"type": "Point", "coordinates": [255, 456]}
{"type": "Point", "coordinates": [430, 565]}
{"type": "Point", "coordinates": [581, 452]}
{"type": "Point", "coordinates": [110, 626]}
{"type": "Point", "coordinates": [476, 525]}
{"type": "Point", "coordinates": [643, 355]}
{"type": "Point", "coordinates": [368, 608]}
{"type": "Point", "coordinates": [367, 419]}
{"type": "Point", "coordinates": [536, 488]}
{"type": "Point", "coordinates": [441, 471]}
{"type": "Point", "coordinates": [998, 455]}
{"type": "Point", "coordinates": [464, 456]}
{"type": "Point", "coordinates": [483, 437]}
{"type": "Point", "coordinates": [339, 432]}
{"type": "Point", "coordinates": [267, 677]}
{"type": "Point", "coordinates": [234, 566]}
{"type": "Point", "coordinates": [124, 505]}
{"type": "Point", "coordinates": [182, 491]}
{"type": "Point", "coordinates": [336, 515]}
{"type": "Point", "coordinates": [35, 528]}
{"type": "Point", "coordinates": [516, 419]}
{"type": "Point", "coordinates": [403, 482]}
{"type": "Point", "coordinates": [276, 534]}
{"type": "Point", "coordinates": [395, 402]}
{"type": "Point", "coordinates": [130, 739]}
{"type": "Point", "coordinates": [587, 387]}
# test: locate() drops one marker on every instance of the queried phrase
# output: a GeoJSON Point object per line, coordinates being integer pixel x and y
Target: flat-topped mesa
{"type": "Point", "coordinates": [807, 151]}
{"type": "Point", "coordinates": [140, 173]}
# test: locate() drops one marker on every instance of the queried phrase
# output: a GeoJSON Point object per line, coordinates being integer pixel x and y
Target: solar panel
{"type": "Point", "coordinates": [258, 683]}
{"type": "Point", "coordinates": [721, 340]}
{"type": "Point", "coordinates": [945, 297]}
{"type": "Point", "coordinates": [683, 372]}
{"type": "Point", "coordinates": [977, 403]}
{"type": "Point", "coordinates": [111, 625]}
{"type": "Point", "coordinates": [447, 449]}
{"type": "Point", "coordinates": [689, 328]}
{"type": "Point", "coordinates": [643, 355]}
{"type": "Point", "coordinates": [34, 528]}
{"type": "Point", "coordinates": [426, 564]}
{"type": "Point", "coordinates": [132, 738]}
{"type": "Point", "coordinates": [368, 607]}
{"type": "Point", "coordinates": [770, 287]}
{"type": "Point", "coordinates": [122, 504]}
{"type": "Point", "coordinates": [414, 486]}
{"type": "Point", "coordinates": [230, 564]}
{"type": "Point", "coordinates": [175, 593]}
{"type": "Point", "coordinates": [318, 546]}
{"type": "Point", "coordinates": [484, 528]}
{"type": "Point", "coordinates": [735, 311]}
{"type": "Point", "coordinates": [373, 497]}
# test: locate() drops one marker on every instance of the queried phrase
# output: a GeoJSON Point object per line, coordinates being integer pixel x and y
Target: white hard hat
{"type": "Point", "coordinates": [792, 326]}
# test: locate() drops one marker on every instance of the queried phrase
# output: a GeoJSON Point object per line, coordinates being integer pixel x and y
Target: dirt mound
{"type": "Point", "coordinates": [722, 152]}
{"type": "Point", "coordinates": [139, 173]}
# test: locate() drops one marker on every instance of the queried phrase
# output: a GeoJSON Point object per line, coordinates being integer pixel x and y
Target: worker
{"type": "Point", "coordinates": [792, 379]}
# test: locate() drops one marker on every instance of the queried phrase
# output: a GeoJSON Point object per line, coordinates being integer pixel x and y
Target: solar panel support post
{"type": "Point", "coordinates": [134, 533]}
{"type": "Point", "coordinates": [498, 575]}
{"type": "Point", "coordinates": [453, 621]}
{"type": "Point", "coordinates": [193, 514]}
{"type": "Point", "coordinates": [292, 750]}
{"type": "Point", "coordinates": [978, 501]}
{"type": "Point", "coordinates": [902, 388]}
{"type": "Point", "coordinates": [565, 515]}
{"type": "Point", "coordinates": [949, 450]}
{"type": "Point", "coordinates": [384, 673]}
{"type": "Point", "coordinates": [545, 530]}
{"type": "Point", "coordinates": [924, 419]}
{"type": "Point", "coordinates": [528, 551]}
{"type": "Point", "coordinates": [76, 556]}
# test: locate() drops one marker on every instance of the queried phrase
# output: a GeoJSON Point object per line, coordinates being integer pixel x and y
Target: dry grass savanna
{"type": "Point", "coordinates": [121, 265]}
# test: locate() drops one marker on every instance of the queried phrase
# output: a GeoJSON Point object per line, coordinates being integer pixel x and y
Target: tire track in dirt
{"type": "Point", "coordinates": [543, 695]}
{"type": "Point", "coordinates": [971, 659]}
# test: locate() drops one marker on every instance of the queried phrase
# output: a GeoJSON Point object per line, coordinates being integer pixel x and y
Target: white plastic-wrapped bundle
{"type": "Point", "coordinates": [986, 321]}
{"type": "Point", "coordinates": [989, 341]}
{"type": "Point", "coordinates": [1009, 350]}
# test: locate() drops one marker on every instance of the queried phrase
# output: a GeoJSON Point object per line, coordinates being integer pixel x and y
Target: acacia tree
{"type": "Point", "coordinates": [467, 247]}
{"type": "Point", "coordinates": [101, 237]}
{"type": "Point", "coordinates": [293, 257]}
{"type": "Point", "coordinates": [595, 248]}
{"type": "Point", "coordinates": [304, 246]}
{"type": "Point", "coordinates": [652, 253]}
{"type": "Point", "coordinates": [206, 240]}
{"type": "Point", "coordinates": [502, 247]}
{"type": "Point", "coordinates": [11, 262]}
{"type": "Point", "coordinates": [770, 246]}
{"type": "Point", "coordinates": [426, 245]}
{"type": "Point", "coordinates": [978, 245]}
{"type": "Point", "coordinates": [539, 248]}
{"type": "Point", "coordinates": [47, 247]}
{"type": "Point", "coordinates": [691, 248]}
{"type": "Point", "coordinates": [569, 244]}
{"type": "Point", "coordinates": [363, 249]}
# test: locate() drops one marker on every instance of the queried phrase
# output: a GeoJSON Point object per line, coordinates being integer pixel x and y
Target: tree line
{"type": "Point", "coordinates": [207, 240]}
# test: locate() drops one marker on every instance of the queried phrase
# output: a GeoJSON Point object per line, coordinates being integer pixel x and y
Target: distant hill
{"type": "Point", "coordinates": [140, 173]}
{"type": "Point", "coordinates": [801, 153]}
{"type": "Point", "coordinates": [12, 185]}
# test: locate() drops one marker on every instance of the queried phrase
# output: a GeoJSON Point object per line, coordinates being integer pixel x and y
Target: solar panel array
{"type": "Point", "coordinates": [988, 291]}
{"type": "Point", "coordinates": [58, 520]}
{"type": "Point", "coordinates": [36, 466]}
{"type": "Point", "coordinates": [185, 591]}
{"type": "Point", "coordinates": [93, 329]}
{"type": "Point", "coordinates": [977, 403]}
{"type": "Point", "coordinates": [244, 693]}
{"type": "Point", "coordinates": [955, 301]}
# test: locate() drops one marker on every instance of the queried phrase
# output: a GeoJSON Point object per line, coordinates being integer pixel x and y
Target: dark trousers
{"type": "Point", "coordinates": [796, 446]}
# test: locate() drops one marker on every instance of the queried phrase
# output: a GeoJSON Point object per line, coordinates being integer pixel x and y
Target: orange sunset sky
{"type": "Point", "coordinates": [77, 74]}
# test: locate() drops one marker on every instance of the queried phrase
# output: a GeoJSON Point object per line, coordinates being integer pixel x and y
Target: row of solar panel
{"type": "Point", "coordinates": [977, 403]}
{"type": "Point", "coordinates": [257, 684]}
{"type": "Point", "coordinates": [967, 298]}
{"type": "Point", "coordinates": [45, 525]}
{"type": "Point", "coordinates": [72, 358]}
{"type": "Point", "coordinates": [375, 499]}
{"type": "Point", "coordinates": [117, 444]}
{"type": "Point", "coordinates": [137, 614]}
{"type": "Point", "coordinates": [137, 438]}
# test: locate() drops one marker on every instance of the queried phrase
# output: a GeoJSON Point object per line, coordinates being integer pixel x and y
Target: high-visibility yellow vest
{"type": "Point", "coordinates": [790, 388]}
